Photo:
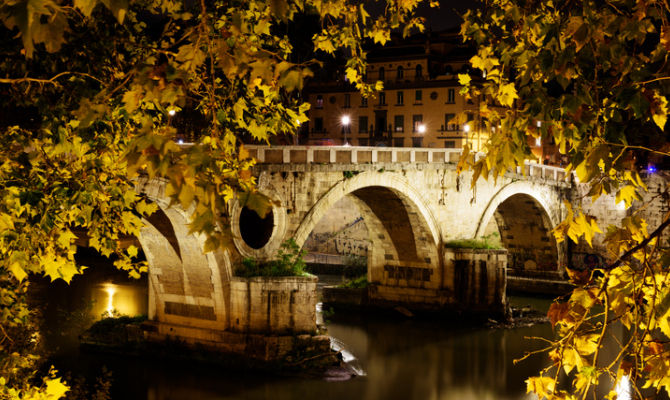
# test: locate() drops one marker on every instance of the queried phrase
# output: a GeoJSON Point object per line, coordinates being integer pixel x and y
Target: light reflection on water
{"type": "Point", "coordinates": [110, 299]}
{"type": "Point", "coordinates": [402, 359]}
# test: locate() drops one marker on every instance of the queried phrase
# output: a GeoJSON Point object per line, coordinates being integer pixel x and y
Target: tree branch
{"type": "Point", "coordinates": [640, 245]}
{"type": "Point", "coordinates": [51, 81]}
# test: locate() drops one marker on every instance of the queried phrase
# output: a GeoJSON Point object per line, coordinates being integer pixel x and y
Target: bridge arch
{"type": "Point", "coordinates": [403, 235]}
{"type": "Point", "coordinates": [524, 223]}
{"type": "Point", "coordinates": [186, 286]}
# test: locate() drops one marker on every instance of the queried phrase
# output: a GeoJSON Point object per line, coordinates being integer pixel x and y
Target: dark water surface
{"type": "Point", "coordinates": [401, 358]}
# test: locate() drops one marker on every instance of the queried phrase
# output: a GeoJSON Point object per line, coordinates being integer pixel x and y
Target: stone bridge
{"type": "Point", "coordinates": [413, 203]}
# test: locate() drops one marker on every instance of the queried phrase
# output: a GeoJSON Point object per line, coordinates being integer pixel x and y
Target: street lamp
{"type": "Point", "coordinates": [421, 128]}
{"type": "Point", "coordinates": [345, 120]}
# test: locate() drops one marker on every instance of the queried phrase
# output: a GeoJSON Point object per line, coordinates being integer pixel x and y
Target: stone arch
{"type": "Point", "coordinates": [402, 231]}
{"type": "Point", "coordinates": [186, 286]}
{"type": "Point", "coordinates": [524, 221]}
{"type": "Point", "coordinates": [364, 186]}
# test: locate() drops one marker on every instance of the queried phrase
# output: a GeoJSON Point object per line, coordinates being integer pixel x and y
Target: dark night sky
{"type": "Point", "coordinates": [447, 15]}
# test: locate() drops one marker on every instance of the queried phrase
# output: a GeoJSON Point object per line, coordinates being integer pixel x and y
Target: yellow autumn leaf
{"type": "Point", "coordinates": [627, 194]}
{"type": "Point", "coordinates": [55, 388]}
{"type": "Point", "coordinates": [660, 115]}
{"type": "Point", "coordinates": [17, 271]}
{"type": "Point", "coordinates": [507, 94]}
{"type": "Point", "coordinates": [464, 79]}
{"type": "Point", "coordinates": [540, 385]}
{"type": "Point", "coordinates": [586, 344]}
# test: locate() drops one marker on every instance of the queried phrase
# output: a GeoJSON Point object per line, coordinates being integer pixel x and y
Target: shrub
{"type": "Point", "coordinates": [358, 283]}
{"type": "Point", "coordinates": [288, 262]}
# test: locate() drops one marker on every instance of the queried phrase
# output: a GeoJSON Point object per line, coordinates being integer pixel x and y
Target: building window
{"type": "Point", "coordinates": [319, 101]}
{"type": "Point", "coordinates": [399, 122]}
{"type": "Point", "coordinates": [419, 71]}
{"type": "Point", "coordinates": [363, 142]}
{"type": "Point", "coordinates": [449, 122]}
{"type": "Point", "coordinates": [362, 124]}
{"type": "Point", "coordinates": [382, 98]}
{"type": "Point", "coordinates": [451, 96]}
{"type": "Point", "coordinates": [449, 144]}
{"type": "Point", "coordinates": [401, 73]}
{"type": "Point", "coordinates": [318, 124]}
{"type": "Point", "coordinates": [416, 121]}
{"type": "Point", "coordinates": [364, 101]}
{"type": "Point", "coordinates": [400, 98]}
{"type": "Point", "coordinates": [398, 142]}
{"type": "Point", "coordinates": [381, 73]}
{"type": "Point", "coordinates": [347, 100]}
{"type": "Point", "coordinates": [418, 95]}
{"type": "Point", "coordinates": [417, 142]}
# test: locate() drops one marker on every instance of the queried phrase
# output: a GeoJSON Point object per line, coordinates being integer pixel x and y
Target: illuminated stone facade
{"type": "Point", "coordinates": [417, 108]}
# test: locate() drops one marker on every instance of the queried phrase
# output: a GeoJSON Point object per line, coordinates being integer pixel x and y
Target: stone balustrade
{"type": "Point", "coordinates": [371, 155]}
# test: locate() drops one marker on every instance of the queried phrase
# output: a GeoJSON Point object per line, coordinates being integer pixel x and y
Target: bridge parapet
{"type": "Point", "coordinates": [373, 155]}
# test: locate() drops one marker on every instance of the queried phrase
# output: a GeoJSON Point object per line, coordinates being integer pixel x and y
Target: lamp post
{"type": "Point", "coordinates": [345, 120]}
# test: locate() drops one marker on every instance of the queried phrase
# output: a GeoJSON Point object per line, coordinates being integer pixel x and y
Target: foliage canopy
{"type": "Point", "coordinates": [91, 95]}
{"type": "Point", "coordinates": [593, 78]}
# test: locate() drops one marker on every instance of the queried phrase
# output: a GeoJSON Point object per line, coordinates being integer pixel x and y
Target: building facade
{"type": "Point", "coordinates": [417, 108]}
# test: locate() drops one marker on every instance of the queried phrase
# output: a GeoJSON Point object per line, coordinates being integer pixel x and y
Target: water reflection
{"type": "Point", "coordinates": [115, 299]}
{"type": "Point", "coordinates": [402, 358]}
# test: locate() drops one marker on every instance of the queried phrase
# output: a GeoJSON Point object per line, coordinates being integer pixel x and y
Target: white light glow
{"type": "Point", "coordinates": [539, 124]}
{"type": "Point", "coordinates": [172, 112]}
{"type": "Point", "coordinates": [466, 128]}
{"type": "Point", "coordinates": [111, 290]}
{"type": "Point", "coordinates": [345, 120]}
{"type": "Point", "coordinates": [538, 142]}
{"type": "Point", "coordinates": [421, 128]}
{"type": "Point", "coordinates": [622, 389]}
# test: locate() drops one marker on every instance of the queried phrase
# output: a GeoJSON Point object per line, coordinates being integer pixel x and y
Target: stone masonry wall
{"type": "Point", "coordinates": [273, 305]}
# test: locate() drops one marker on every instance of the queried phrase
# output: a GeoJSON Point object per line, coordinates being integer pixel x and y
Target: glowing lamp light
{"type": "Point", "coordinates": [111, 290]}
{"type": "Point", "coordinates": [180, 141]}
{"type": "Point", "coordinates": [345, 120]}
{"type": "Point", "coordinates": [538, 142]}
{"type": "Point", "coordinates": [466, 128]}
{"type": "Point", "coordinates": [651, 169]}
{"type": "Point", "coordinates": [421, 128]}
{"type": "Point", "coordinates": [539, 123]}
{"type": "Point", "coordinates": [172, 112]}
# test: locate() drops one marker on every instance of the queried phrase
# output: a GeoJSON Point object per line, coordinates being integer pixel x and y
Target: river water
{"type": "Point", "coordinates": [399, 357]}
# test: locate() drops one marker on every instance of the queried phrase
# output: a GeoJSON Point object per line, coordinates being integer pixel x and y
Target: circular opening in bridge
{"type": "Point", "coordinates": [256, 231]}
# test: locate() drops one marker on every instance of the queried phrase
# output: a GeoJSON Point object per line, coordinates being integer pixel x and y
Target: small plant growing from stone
{"type": "Point", "coordinates": [358, 283]}
{"type": "Point", "coordinates": [491, 242]}
{"type": "Point", "coordinates": [288, 262]}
